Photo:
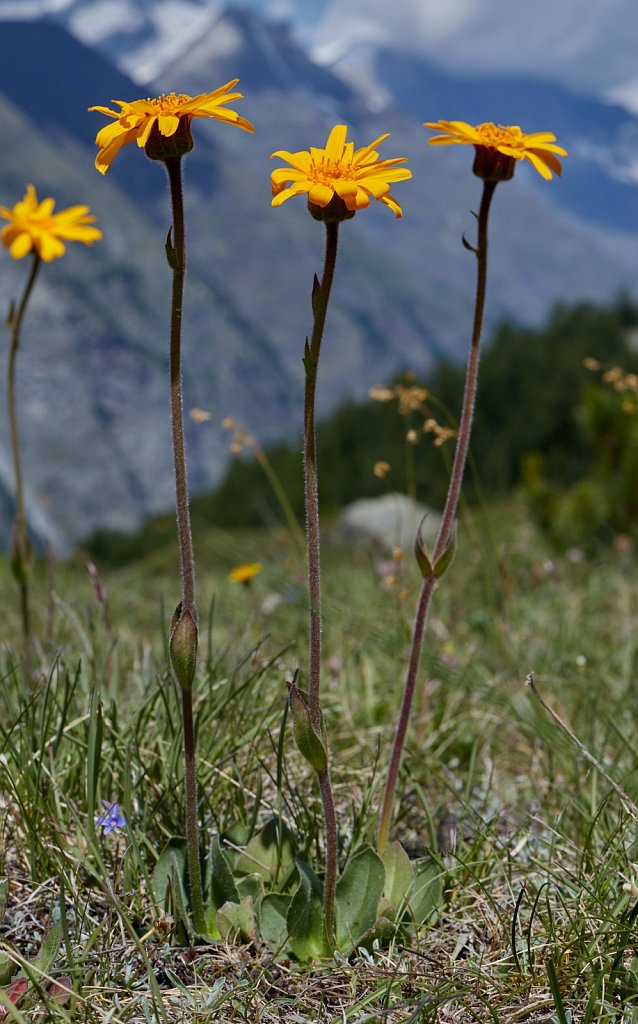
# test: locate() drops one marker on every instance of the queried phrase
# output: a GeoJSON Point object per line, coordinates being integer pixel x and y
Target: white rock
{"type": "Point", "coordinates": [389, 521]}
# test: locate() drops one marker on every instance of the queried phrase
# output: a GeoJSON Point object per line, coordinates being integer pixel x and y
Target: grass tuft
{"type": "Point", "coordinates": [528, 809]}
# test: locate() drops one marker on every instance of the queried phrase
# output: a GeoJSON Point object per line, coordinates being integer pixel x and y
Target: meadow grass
{"type": "Point", "coordinates": [534, 834]}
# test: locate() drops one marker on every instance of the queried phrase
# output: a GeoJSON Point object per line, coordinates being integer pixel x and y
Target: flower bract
{"type": "Point", "coordinates": [244, 573]}
{"type": "Point", "coordinates": [492, 142]}
{"type": "Point", "coordinates": [33, 226]}
{"type": "Point", "coordinates": [338, 170]}
{"type": "Point", "coordinates": [152, 122]}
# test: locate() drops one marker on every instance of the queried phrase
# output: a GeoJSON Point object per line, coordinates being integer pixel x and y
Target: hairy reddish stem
{"type": "Point", "coordinates": [447, 522]}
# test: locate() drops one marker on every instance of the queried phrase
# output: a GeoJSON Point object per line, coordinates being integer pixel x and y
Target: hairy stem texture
{"type": "Point", "coordinates": [447, 522]}
{"type": "Point", "coordinates": [320, 297]}
{"type": "Point", "coordinates": [177, 259]}
{"type": "Point", "coordinates": [21, 544]}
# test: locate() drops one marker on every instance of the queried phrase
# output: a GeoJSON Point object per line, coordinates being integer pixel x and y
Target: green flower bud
{"type": "Point", "coordinates": [421, 555]}
{"type": "Point", "coordinates": [182, 646]}
{"type": "Point", "coordinates": [445, 559]}
{"type": "Point", "coordinates": [309, 743]}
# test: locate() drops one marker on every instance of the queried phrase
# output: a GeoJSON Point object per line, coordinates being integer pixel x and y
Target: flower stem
{"type": "Point", "coordinates": [320, 297]}
{"type": "Point", "coordinates": [330, 873]}
{"type": "Point", "coordinates": [190, 816]}
{"type": "Point", "coordinates": [21, 546]}
{"type": "Point", "coordinates": [176, 253]}
{"type": "Point", "coordinates": [178, 262]}
{"type": "Point", "coordinates": [448, 519]}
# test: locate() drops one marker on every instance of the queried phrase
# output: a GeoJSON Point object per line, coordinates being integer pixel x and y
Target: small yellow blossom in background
{"type": "Point", "coordinates": [200, 415]}
{"type": "Point", "coordinates": [410, 398]}
{"type": "Point", "coordinates": [241, 438]}
{"type": "Point", "coordinates": [338, 172]}
{"type": "Point", "coordinates": [245, 573]}
{"type": "Point", "coordinates": [441, 434]}
{"type": "Point", "coordinates": [34, 226]}
{"type": "Point", "coordinates": [620, 380]}
{"type": "Point", "coordinates": [381, 469]}
{"type": "Point", "coordinates": [148, 122]}
{"type": "Point", "coordinates": [381, 394]}
{"type": "Point", "coordinates": [498, 147]}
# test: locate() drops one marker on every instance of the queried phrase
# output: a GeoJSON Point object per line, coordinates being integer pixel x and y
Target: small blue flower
{"type": "Point", "coordinates": [111, 819]}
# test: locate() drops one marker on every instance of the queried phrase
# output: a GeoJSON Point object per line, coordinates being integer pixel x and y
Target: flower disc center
{"type": "Point", "coordinates": [500, 135]}
{"type": "Point", "coordinates": [168, 103]}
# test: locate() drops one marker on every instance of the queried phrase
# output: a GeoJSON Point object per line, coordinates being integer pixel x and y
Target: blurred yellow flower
{"type": "Point", "coordinates": [245, 573]}
{"type": "Point", "coordinates": [338, 171]}
{"type": "Point", "coordinates": [441, 434]}
{"type": "Point", "coordinates": [151, 122]}
{"type": "Point", "coordinates": [201, 415]}
{"type": "Point", "coordinates": [498, 147]}
{"type": "Point", "coordinates": [378, 394]}
{"type": "Point", "coordinates": [34, 226]}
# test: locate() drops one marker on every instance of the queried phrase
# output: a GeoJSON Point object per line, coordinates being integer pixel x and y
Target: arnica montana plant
{"type": "Point", "coordinates": [497, 150]}
{"type": "Point", "coordinates": [33, 228]}
{"type": "Point", "coordinates": [338, 181]}
{"type": "Point", "coordinates": [162, 128]}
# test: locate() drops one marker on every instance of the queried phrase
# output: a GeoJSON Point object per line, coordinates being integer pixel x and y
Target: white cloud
{"type": "Point", "coordinates": [91, 24]}
{"type": "Point", "coordinates": [590, 46]}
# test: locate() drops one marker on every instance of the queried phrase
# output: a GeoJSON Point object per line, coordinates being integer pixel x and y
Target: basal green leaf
{"type": "Point", "coordinates": [222, 883]}
{"type": "Point", "coordinates": [425, 896]}
{"type": "Point", "coordinates": [398, 875]}
{"type": "Point", "coordinates": [251, 885]}
{"type": "Point", "coordinates": [358, 893]}
{"type": "Point", "coordinates": [270, 853]}
{"type": "Point", "coordinates": [172, 858]}
{"type": "Point", "coordinates": [304, 919]}
{"type": "Point", "coordinates": [237, 920]}
{"type": "Point", "coordinates": [272, 914]}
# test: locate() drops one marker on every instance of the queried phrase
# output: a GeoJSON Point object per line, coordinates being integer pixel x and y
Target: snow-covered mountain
{"type": "Point", "coordinates": [95, 343]}
{"type": "Point", "coordinates": [138, 35]}
{"type": "Point", "coordinates": [428, 60]}
{"type": "Point", "coordinates": [142, 36]}
{"type": "Point", "coordinates": [588, 47]}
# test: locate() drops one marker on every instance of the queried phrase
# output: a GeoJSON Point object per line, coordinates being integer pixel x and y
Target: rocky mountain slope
{"type": "Point", "coordinates": [93, 370]}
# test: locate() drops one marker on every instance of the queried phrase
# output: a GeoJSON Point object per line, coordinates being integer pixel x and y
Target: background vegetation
{"type": "Point", "coordinates": [529, 810]}
{"type": "Point", "coordinates": [543, 420]}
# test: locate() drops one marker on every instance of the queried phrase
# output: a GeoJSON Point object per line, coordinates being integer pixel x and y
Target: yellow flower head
{"type": "Point", "coordinates": [34, 226]}
{"type": "Point", "coordinates": [162, 126]}
{"type": "Point", "coordinates": [338, 177]}
{"type": "Point", "coordinates": [245, 573]}
{"type": "Point", "coordinates": [498, 148]}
